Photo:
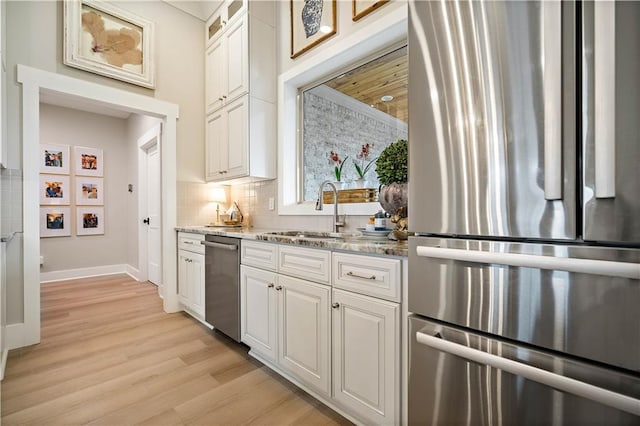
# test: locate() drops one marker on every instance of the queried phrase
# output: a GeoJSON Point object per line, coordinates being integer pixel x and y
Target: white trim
{"type": "Point", "coordinates": [355, 105]}
{"type": "Point", "coordinates": [15, 336]}
{"type": "Point", "coordinates": [35, 81]}
{"type": "Point", "coordinates": [133, 272]}
{"type": "Point", "coordinates": [390, 28]}
{"type": "Point", "coordinates": [3, 362]}
{"type": "Point", "coordinates": [72, 274]}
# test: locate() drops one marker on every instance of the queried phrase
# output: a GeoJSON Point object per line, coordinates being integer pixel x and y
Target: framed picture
{"type": "Point", "coordinates": [55, 221]}
{"type": "Point", "coordinates": [54, 189]}
{"type": "Point", "coordinates": [312, 21]}
{"type": "Point", "coordinates": [54, 159]}
{"type": "Point", "coordinates": [106, 40]}
{"type": "Point", "coordinates": [361, 8]}
{"type": "Point", "coordinates": [90, 220]}
{"type": "Point", "coordinates": [88, 161]}
{"type": "Point", "coordinates": [89, 191]}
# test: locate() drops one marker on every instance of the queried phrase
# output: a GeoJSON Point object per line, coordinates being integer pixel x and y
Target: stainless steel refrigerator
{"type": "Point", "coordinates": [524, 183]}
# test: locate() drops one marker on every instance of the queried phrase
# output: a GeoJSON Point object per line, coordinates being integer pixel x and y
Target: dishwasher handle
{"type": "Point", "coordinates": [230, 247]}
{"type": "Point", "coordinates": [562, 383]}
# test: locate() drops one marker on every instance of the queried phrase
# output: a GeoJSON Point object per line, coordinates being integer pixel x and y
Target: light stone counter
{"type": "Point", "coordinates": [361, 244]}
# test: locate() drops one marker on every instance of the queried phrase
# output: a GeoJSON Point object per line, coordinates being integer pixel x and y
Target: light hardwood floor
{"type": "Point", "coordinates": [109, 355]}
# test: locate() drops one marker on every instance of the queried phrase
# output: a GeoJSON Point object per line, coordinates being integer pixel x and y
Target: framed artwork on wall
{"type": "Point", "coordinates": [312, 22]}
{"type": "Point", "coordinates": [54, 159]}
{"type": "Point", "coordinates": [55, 221]}
{"type": "Point", "coordinates": [90, 220]}
{"type": "Point", "coordinates": [104, 39]}
{"type": "Point", "coordinates": [55, 190]}
{"type": "Point", "coordinates": [89, 191]}
{"type": "Point", "coordinates": [362, 8]}
{"type": "Point", "coordinates": [88, 161]}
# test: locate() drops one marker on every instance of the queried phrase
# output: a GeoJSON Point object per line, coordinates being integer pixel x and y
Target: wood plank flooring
{"type": "Point", "coordinates": [109, 355]}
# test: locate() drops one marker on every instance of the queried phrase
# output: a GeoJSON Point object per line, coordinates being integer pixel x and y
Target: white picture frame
{"type": "Point", "coordinates": [55, 190]}
{"type": "Point", "coordinates": [91, 27]}
{"type": "Point", "coordinates": [89, 191]}
{"type": "Point", "coordinates": [89, 221]}
{"type": "Point", "coordinates": [88, 161]}
{"type": "Point", "coordinates": [54, 159]}
{"type": "Point", "coordinates": [55, 222]}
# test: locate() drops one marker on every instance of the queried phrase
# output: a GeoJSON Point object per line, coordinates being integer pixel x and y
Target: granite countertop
{"type": "Point", "coordinates": [354, 243]}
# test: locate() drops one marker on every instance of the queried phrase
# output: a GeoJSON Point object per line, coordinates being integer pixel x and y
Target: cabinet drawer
{"type": "Point", "coordinates": [259, 254]}
{"type": "Point", "coordinates": [190, 242]}
{"type": "Point", "coordinates": [311, 264]}
{"type": "Point", "coordinates": [373, 276]}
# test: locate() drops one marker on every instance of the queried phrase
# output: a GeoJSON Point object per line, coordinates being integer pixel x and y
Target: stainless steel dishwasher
{"type": "Point", "coordinates": [222, 284]}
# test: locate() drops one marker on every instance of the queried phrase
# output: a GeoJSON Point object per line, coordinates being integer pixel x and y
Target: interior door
{"type": "Point", "coordinates": [611, 129]}
{"type": "Point", "coordinates": [154, 239]}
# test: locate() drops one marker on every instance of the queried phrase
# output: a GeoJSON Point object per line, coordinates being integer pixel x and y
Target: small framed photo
{"type": "Point", "coordinates": [362, 8]}
{"type": "Point", "coordinates": [312, 22]}
{"type": "Point", "coordinates": [54, 159]}
{"type": "Point", "coordinates": [104, 39]}
{"type": "Point", "coordinates": [88, 161]}
{"type": "Point", "coordinates": [90, 220]}
{"type": "Point", "coordinates": [89, 191]}
{"type": "Point", "coordinates": [55, 221]}
{"type": "Point", "coordinates": [54, 189]}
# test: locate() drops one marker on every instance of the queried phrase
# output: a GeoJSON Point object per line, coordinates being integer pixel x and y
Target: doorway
{"type": "Point", "coordinates": [34, 83]}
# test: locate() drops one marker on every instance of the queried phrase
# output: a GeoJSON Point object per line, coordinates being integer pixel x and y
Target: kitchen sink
{"type": "Point", "coordinates": [315, 234]}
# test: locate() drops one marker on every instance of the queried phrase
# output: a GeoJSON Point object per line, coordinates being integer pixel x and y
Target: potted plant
{"type": "Point", "coordinates": [338, 164]}
{"type": "Point", "coordinates": [393, 173]}
{"type": "Point", "coordinates": [363, 168]}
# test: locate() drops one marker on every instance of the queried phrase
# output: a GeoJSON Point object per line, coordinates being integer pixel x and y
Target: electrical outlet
{"type": "Point", "coordinates": [272, 203]}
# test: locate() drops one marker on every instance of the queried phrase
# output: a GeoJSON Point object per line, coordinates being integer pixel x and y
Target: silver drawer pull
{"type": "Point", "coordinates": [188, 242]}
{"type": "Point", "coordinates": [351, 274]}
{"type": "Point", "coordinates": [223, 246]}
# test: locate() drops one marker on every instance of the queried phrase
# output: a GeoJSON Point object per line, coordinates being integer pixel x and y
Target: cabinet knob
{"type": "Point", "coordinates": [220, 98]}
{"type": "Point", "coordinates": [224, 97]}
{"type": "Point", "coordinates": [279, 287]}
{"type": "Point", "coordinates": [335, 305]}
{"type": "Point", "coordinates": [270, 285]}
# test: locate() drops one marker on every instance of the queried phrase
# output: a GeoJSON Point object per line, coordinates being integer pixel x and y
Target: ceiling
{"type": "Point", "coordinates": [385, 76]}
{"type": "Point", "coordinates": [198, 8]}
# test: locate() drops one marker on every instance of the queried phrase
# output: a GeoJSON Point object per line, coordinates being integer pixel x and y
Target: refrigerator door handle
{"type": "Point", "coordinates": [552, 87]}
{"type": "Point", "coordinates": [562, 383]}
{"type": "Point", "coordinates": [604, 57]}
{"type": "Point", "coordinates": [585, 266]}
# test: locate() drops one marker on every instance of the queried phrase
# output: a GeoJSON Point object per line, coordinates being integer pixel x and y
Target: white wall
{"type": "Point", "coordinates": [60, 125]}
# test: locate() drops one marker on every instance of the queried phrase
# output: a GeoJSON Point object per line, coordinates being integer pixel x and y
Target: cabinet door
{"type": "Point", "coordinates": [366, 356]}
{"type": "Point", "coordinates": [237, 55]}
{"type": "Point", "coordinates": [304, 333]}
{"type": "Point", "coordinates": [216, 135]}
{"type": "Point", "coordinates": [258, 316]}
{"type": "Point", "coordinates": [234, 149]}
{"type": "Point", "coordinates": [183, 277]}
{"type": "Point", "coordinates": [215, 25]}
{"type": "Point", "coordinates": [196, 280]}
{"type": "Point", "coordinates": [215, 77]}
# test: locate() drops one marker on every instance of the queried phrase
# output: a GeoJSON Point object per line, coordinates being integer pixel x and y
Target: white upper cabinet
{"type": "Point", "coordinates": [240, 89]}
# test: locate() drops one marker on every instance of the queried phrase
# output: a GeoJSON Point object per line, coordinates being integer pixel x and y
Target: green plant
{"type": "Point", "coordinates": [335, 159]}
{"type": "Point", "coordinates": [362, 169]}
{"type": "Point", "coordinates": [392, 165]}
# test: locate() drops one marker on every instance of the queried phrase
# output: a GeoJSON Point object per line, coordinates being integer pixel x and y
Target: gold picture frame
{"type": "Point", "coordinates": [362, 8]}
{"type": "Point", "coordinates": [312, 22]}
{"type": "Point", "coordinates": [103, 39]}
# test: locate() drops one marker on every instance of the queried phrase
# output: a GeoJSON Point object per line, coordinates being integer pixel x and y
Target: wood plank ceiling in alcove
{"type": "Point", "coordinates": [384, 76]}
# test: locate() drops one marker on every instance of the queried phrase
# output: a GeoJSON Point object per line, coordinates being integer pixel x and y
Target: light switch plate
{"type": "Point", "coordinates": [272, 203]}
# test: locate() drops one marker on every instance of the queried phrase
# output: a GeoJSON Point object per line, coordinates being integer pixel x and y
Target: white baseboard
{"type": "Point", "coordinates": [3, 362]}
{"type": "Point", "coordinates": [17, 336]}
{"type": "Point", "coordinates": [133, 272]}
{"type": "Point", "coordinates": [96, 271]}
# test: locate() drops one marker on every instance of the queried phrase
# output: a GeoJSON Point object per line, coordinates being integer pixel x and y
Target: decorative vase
{"type": "Point", "coordinates": [360, 183]}
{"type": "Point", "coordinates": [311, 16]}
{"type": "Point", "coordinates": [393, 197]}
{"type": "Point", "coordinates": [340, 185]}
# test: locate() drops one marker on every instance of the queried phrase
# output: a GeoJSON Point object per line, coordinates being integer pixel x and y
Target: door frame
{"type": "Point", "coordinates": [34, 82]}
{"type": "Point", "coordinates": [144, 143]}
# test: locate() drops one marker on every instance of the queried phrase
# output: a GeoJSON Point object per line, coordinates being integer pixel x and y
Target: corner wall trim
{"type": "Point", "coordinates": [3, 362]}
{"type": "Point", "coordinates": [16, 337]}
{"type": "Point", "coordinates": [133, 272]}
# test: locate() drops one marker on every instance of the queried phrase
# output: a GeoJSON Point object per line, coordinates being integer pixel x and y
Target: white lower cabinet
{"type": "Point", "coordinates": [366, 356]}
{"type": "Point", "coordinates": [304, 338]}
{"type": "Point", "coordinates": [343, 346]}
{"type": "Point", "coordinates": [191, 282]}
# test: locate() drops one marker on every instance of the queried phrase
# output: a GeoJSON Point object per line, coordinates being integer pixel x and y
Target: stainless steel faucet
{"type": "Point", "coordinates": [337, 224]}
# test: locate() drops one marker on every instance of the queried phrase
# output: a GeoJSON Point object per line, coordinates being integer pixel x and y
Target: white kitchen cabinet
{"type": "Point", "coordinates": [304, 331]}
{"type": "Point", "coordinates": [191, 270]}
{"type": "Point", "coordinates": [366, 356]}
{"type": "Point", "coordinates": [240, 81]}
{"type": "Point", "coordinates": [224, 15]}
{"type": "Point", "coordinates": [258, 318]}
